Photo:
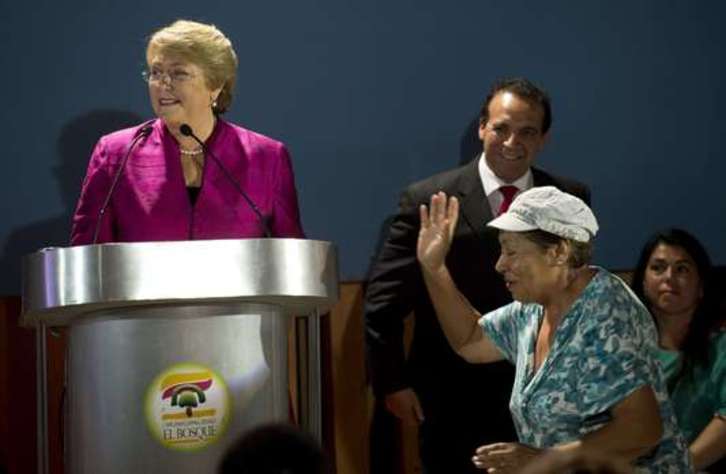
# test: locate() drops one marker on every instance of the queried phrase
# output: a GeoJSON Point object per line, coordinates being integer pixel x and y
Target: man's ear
{"type": "Point", "coordinates": [543, 142]}
{"type": "Point", "coordinates": [482, 130]}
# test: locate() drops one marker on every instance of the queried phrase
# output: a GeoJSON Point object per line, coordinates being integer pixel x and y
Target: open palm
{"type": "Point", "coordinates": [438, 222]}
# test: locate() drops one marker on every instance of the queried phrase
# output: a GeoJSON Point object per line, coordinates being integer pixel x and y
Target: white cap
{"type": "Point", "coordinates": [551, 210]}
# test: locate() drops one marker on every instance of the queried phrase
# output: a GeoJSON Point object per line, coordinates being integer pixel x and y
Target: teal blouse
{"type": "Point", "coordinates": [701, 394]}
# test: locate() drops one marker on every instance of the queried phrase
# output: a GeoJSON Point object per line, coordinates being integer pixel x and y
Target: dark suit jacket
{"type": "Point", "coordinates": [450, 389]}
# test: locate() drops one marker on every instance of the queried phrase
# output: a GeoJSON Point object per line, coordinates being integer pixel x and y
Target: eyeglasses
{"type": "Point", "coordinates": [157, 76]}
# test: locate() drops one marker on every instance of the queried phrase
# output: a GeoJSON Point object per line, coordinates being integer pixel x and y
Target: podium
{"type": "Point", "coordinates": [174, 348]}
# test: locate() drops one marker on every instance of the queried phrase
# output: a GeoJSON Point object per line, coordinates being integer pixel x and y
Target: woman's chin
{"type": "Point", "coordinates": [521, 297]}
{"type": "Point", "coordinates": [172, 121]}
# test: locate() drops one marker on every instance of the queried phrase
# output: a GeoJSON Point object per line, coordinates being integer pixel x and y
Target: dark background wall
{"type": "Point", "coordinates": [370, 95]}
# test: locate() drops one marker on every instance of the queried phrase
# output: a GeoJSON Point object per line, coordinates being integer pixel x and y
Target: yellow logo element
{"type": "Point", "coordinates": [187, 407]}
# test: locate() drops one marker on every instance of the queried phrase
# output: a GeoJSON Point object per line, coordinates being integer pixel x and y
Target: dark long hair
{"type": "Point", "coordinates": [695, 345]}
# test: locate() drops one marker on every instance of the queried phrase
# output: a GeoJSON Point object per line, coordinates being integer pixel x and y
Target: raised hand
{"type": "Point", "coordinates": [438, 222]}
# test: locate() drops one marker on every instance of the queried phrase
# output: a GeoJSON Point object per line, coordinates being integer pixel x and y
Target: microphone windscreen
{"type": "Point", "coordinates": [185, 130]}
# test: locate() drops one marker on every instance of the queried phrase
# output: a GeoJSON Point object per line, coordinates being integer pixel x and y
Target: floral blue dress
{"type": "Point", "coordinates": [603, 350]}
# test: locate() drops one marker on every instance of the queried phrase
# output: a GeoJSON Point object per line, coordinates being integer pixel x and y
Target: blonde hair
{"type": "Point", "coordinates": [205, 46]}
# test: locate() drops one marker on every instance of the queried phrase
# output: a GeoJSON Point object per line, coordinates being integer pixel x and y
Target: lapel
{"type": "Point", "coordinates": [540, 178]}
{"type": "Point", "coordinates": [474, 208]}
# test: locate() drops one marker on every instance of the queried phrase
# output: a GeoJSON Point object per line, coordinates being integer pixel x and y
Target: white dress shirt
{"type": "Point", "coordinates": [492, 183]}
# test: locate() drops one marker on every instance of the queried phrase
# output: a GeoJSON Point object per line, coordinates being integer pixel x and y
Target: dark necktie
{"type": "Point", "coordinates": [508, 192]}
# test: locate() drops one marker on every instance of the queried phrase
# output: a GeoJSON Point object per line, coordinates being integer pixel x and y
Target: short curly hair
{"type": "Point", "coordinates": [580, 252]}
{"type": "Point", "coordinates": [205, 46]}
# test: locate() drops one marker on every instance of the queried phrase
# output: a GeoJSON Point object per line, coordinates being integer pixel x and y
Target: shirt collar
{"type": "Point", "coordinates": [492, 182]}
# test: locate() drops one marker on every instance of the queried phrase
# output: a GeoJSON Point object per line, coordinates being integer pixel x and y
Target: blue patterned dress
{"type": "Point", "coordinates": [603, 350]}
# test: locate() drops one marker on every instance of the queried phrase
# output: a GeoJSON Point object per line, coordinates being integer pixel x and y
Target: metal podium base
{"type": "Point", "coordinates": [168, 389]}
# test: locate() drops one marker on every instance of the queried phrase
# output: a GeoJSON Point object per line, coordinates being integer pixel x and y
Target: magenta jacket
{"type": "Point", "coordinates": [151, 202]}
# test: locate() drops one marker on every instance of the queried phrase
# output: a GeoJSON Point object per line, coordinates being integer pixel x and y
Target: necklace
{"type": "Point", "coordinates": [193, 168]}
{"type": "Point", "coordinates": [196, 151]}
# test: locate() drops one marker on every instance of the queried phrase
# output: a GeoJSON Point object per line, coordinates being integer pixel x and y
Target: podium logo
{"type": "Point", "coordinates": [187, 407]}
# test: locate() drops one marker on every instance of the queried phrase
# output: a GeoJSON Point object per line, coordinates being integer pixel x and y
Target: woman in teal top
{"type": "Point", "coordinates": [583, 345]}
{"type": "Point", "coordinates": [673, 278]}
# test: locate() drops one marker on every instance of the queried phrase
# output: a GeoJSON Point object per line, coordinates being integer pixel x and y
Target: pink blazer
{"type": "Point", "coordinates": [151, 202]}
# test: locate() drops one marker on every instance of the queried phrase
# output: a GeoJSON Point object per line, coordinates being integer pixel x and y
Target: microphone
{"type": "Point", "coordinates": [186, 130]}
{"type": "Point", "coordinates": [143, 132]}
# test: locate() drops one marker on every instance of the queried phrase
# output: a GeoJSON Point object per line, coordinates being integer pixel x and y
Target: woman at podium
{"type": "Point", "coordinates": [187, 174]}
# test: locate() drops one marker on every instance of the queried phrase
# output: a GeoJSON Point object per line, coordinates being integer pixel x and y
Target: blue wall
{"type": "Point", "coordinates": [372, 95]}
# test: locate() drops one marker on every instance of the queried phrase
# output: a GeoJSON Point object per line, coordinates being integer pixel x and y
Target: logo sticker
{"type": "Point", "coordinates": [187, 407]}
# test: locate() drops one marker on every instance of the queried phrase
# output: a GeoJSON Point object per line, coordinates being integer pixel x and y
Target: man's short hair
{"type": "Point", "coordinates": [524, 89]}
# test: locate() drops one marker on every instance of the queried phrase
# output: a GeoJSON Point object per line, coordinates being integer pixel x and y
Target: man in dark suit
{"type": "Point", "coordinates": [459, 406]}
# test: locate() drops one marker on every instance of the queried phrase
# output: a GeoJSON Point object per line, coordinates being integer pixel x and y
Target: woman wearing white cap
{"type": "Point", "coordinates": [581, 342]}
